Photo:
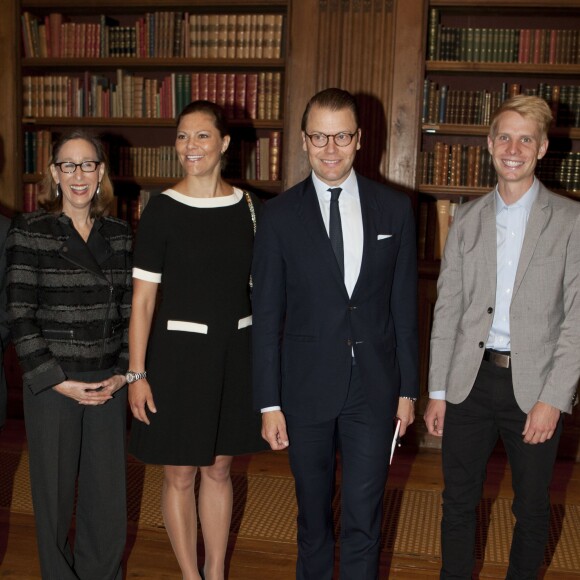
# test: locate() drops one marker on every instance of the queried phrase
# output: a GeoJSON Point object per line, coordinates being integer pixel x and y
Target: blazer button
{"type": "Point", "coordinates": [481, 344]}
{"type": "Point", "coordinates": [352, 307]}
{"type": "Point", "coordinates": [349, 342]}
{"type": "Point", "coordinates": [490, 310]}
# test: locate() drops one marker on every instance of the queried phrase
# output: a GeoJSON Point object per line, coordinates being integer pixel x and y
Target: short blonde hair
{"type": "Point", "coordinates": [529, 107]}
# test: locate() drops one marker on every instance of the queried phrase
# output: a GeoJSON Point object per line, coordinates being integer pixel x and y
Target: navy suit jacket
{"type": "Point", "coordinates": [305, 326]}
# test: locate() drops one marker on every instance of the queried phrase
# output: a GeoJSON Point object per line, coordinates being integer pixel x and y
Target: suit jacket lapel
{"type": "Point", "coordinates": [89, 255]}
{"type": "Point", "coordinates": [309, 210]}
{"type": "Point", "coordinates": [489, 235]}
{"type": "Point", "coordinates": [538, 217]}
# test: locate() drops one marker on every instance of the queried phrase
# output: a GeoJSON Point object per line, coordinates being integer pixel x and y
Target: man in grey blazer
{"type": "Point", "coordinates": [505, 346]}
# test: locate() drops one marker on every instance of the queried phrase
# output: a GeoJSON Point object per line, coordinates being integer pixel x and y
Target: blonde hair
{"type": "Point", "coordinates": [51, 201]}
{"type": "Point", "coordinates": [529, 107]}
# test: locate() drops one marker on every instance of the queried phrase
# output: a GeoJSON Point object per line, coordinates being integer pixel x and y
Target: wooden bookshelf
{"type": "Point", "coordinates": [157, 70]}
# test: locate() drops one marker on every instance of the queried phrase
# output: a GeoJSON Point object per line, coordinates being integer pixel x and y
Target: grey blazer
{"type": "Point", "coordinates": [545, 307]}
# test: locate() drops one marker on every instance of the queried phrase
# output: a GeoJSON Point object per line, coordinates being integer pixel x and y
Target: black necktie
{"type": "Point", "coordinates": [335, 228]}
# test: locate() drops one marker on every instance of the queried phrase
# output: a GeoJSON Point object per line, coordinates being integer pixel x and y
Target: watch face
{"type": "Point", "coordinates": [130, 377]}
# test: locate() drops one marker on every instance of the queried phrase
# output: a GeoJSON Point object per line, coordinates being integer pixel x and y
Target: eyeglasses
{"type": "Point", "coordinates": [340, 139]}
{"type": "Point", "coordinates": [70, 167]}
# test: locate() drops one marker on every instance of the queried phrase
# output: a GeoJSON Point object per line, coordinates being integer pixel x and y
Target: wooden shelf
{"type": "Point", "coordinates": [452, 190]}
{"type": "Point", "coordinates": [507, 3]}
{"type": "Point", "coordinates": [73, 6]}
{"type": "Point", "coordinates": [483, 130]}
{"type": "Point", "coordinates": [139, 122]}
{"type": "Point", "coordinates": [158, 64]}
{"type": "Point", "coordinates": [502, 68]}
{"type": "Point", "coordinates": [447, 191]}
{"type": "Point", "coordinates": [271, 187]}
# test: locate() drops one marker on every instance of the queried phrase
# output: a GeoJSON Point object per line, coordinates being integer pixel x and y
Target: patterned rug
{"type": "Point", "coordinates": [265, 509]}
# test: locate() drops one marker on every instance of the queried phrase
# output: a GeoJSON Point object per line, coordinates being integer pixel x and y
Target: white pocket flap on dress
{"type": "Point", "coordinates": [384, 236]}
{"type": "Point", "coordinates": [245, 322]}
{"type": "Point", "coordinates": [184, 326]}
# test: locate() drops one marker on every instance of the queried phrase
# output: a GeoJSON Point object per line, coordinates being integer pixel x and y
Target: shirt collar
{"type": "Point", "coordinates": [525, 202]}
{"type": "Point", "coordinates": [349, 186]}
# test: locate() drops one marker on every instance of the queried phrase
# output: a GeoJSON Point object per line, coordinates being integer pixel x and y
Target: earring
{"type": "Point", "coordinates": [98, 189]}
{"type": "Point", "coordinates": [58, 191]}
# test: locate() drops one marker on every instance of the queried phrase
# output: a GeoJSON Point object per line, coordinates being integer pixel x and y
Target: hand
{"type": "Point", "coordinates": [84, 393]}
{"type": "Point", "coordinates": [406, 413]}
{"type": "Point", "coordinates": [274, 429]}
{"type": "Point", "coordinates": [434, 416]}
{"type": "Point", "coordinates": [541, 423]}
{"type": "Point", "coordinates": [140, 396]}
{"type": "Point", "coordinates": [114, 383]}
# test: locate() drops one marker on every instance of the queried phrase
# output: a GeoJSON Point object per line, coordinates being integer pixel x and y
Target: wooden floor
{"type": "Point", "coordinates": [149, 554]}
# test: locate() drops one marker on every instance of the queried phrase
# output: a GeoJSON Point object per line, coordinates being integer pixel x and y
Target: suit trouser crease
{"type": "Point", "coordinates": [67, 440]}
{"type": "Point", "coordinates": [363, 440]}
{"type": "Point", "coordinates": [472, 429]}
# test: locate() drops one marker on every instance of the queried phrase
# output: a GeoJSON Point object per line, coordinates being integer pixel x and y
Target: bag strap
{"type": "Point", "coordinates": [253, 215]}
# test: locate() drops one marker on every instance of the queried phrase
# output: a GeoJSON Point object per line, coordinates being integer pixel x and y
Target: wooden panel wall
{"type": "Point", "coordinates": [355, 52]}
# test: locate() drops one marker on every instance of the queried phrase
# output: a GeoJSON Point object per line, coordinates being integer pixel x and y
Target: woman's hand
{"type": "Point", "coordinates": [140, 396]}
{"type": "Point", "coordinates": [114, 383]}
{"type": "Point", "coordinates": [85, 393]}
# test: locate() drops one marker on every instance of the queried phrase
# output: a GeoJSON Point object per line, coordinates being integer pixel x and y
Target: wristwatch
{"type": "Point", "coordinates": [133, 376]}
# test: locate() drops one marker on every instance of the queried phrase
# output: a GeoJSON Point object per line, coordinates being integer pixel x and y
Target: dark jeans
{"type": "Point", "coordinates": [470, 434]}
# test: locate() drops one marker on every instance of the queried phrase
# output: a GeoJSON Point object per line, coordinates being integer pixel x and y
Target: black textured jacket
{"type": "Point", "coordinates": [68, 301]}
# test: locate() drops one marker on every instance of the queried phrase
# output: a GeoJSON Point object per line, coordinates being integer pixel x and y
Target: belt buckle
{"type": "Point", "coordinates": [499, 359]}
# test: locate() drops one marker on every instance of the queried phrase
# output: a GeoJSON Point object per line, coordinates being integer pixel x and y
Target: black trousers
{"type": "Point", "coordinates": [67, 441]}
{"type": "Point", "coordinates": [363, 440]}
{"type": "Point", "coordinates": [470, 433]}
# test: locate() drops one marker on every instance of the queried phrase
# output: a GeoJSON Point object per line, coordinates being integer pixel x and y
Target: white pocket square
{"type": "Point", "coordinates": [384, 236]}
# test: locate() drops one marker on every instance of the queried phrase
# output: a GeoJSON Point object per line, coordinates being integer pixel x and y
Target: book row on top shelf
{"type": "Point", "coordinates": [453, 37]}
{"type": "Point", "coordinates": [163, 34]}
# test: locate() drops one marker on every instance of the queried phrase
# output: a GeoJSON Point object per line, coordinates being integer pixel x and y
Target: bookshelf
{"type": "Point", "coordinates": [126, 70]}
{"type": "Point", "coordinates": [475, 57]}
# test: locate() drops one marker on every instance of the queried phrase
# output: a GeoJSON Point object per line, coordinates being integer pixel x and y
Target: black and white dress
{"type": "Point", "coordinates": [199, 357]}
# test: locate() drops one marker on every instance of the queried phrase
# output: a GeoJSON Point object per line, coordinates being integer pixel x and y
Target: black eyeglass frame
{"type": "Point", "coordinates": [351, 135]}
{"type": "Point", "coordinates": [61, 163]}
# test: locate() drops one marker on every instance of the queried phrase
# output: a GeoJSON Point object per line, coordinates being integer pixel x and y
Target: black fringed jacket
{"type": "Point", "coordinates": [68, 301]}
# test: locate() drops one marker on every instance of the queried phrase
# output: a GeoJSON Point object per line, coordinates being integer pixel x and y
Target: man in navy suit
{"type": "Point", "coordinates": [335, 337]}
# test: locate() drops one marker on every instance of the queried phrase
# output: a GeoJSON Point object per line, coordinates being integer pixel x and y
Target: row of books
{"type": "Point", "coordinates": [442, 104]}
{"type": "Point", "coordinates": [456, 165]}
{"type": "Point", "coordinates": [260, 159]}
{"type": "Point", "coordinates": [244, 96]}
{"type": "Point", "coordinates": [560, 171]}
{"type": "Point", "coordinates": [460, 165]}
{"type": "Point", "coordinates": [255, 159]}
{"type": "Point", "coordinates": [501, 45]}
{"type": "Point", "coordinates": [37, 150]}
{"type": "Point", "coordinates": [157, 34]}
{"type": "Point", "coordinates": [433, 221]}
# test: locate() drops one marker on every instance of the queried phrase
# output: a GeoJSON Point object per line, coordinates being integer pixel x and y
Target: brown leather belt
{"type": "Point", "coordinates": [498, 358]}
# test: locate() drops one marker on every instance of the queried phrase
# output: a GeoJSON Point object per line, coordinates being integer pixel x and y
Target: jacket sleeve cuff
{"type": "Point", "coordinates": [46, 380]}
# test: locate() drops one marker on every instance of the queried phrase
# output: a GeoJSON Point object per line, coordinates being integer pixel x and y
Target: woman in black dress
{"type": "Point", "coordinates": [190, 376]}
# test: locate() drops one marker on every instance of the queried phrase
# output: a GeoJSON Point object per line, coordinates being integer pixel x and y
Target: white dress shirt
{"type": "Point", "coordinates": [352, 229]}
{"type": "Point", "coordinates": [511, 221]}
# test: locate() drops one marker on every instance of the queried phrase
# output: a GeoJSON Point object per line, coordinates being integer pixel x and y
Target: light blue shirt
{"type": "Point", "coordinates": [511, 221]}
